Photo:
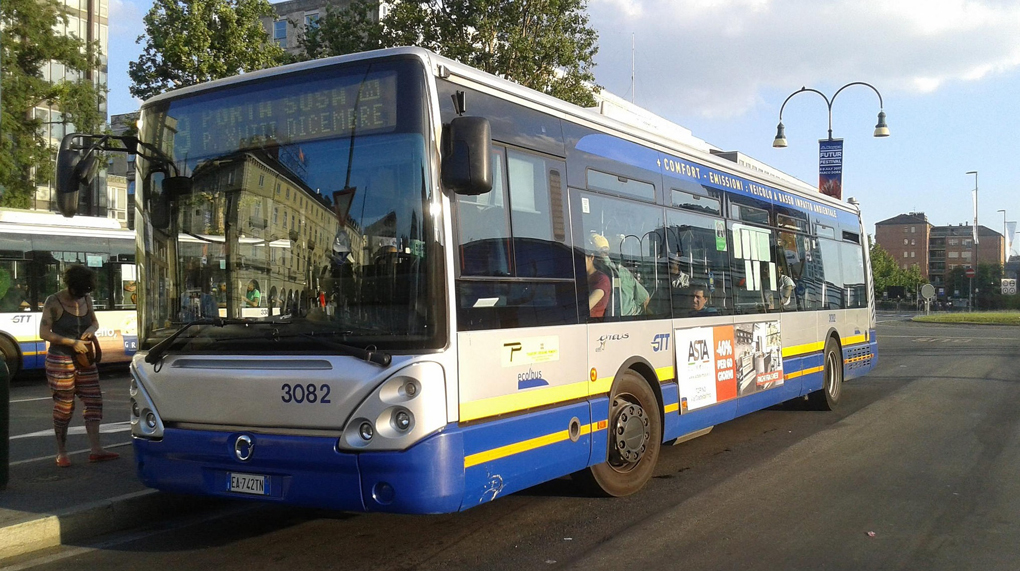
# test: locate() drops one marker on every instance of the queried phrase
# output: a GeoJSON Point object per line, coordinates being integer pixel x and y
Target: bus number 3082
{"type": "Point", "coordinates": [305, 393]}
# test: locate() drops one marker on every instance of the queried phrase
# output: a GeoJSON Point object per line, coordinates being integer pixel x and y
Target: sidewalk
{"type": "Point", "coordinates": [46, 506]}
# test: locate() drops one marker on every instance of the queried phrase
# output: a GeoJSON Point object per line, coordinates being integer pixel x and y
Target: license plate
{"type": "Point", "coordinates": [254, 484]}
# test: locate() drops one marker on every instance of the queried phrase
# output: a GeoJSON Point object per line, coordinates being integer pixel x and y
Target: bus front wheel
{"type": "Point", "coordinates": [9, 353]}
{"type": "Point", "coordinates": [635, 437]}
{"type": "Point", "coordinates": [832, 386]}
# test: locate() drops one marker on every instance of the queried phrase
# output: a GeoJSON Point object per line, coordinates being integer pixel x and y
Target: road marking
{"type": "Point", "coordinates": [943, 339]}
{"type": "Point", "coordinates": [880, 336]}
{"type": "Point", "coordinates": [30, 400]}
{"type": "Point", "coordinates": [71, 453]}
{"type": "Point", "coordinates": [103, 429]}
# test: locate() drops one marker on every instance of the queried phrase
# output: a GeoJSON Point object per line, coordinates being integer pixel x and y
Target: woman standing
{"type": "Point", "coordinates": [69, 324]}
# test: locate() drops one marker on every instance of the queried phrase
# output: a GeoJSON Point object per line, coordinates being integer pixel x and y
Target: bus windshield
{"type": "Point", "coordinates": [303, 205]}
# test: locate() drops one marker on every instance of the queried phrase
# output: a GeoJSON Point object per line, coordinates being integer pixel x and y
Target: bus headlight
{"type": "Point", "coordinates": [406, 407]}
{"type": "Point", "coordinates": [145, 421]}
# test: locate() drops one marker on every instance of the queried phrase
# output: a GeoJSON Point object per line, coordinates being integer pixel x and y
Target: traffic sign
{"type": "Point", "coordinates": [970, 272]}
{"type": "Point", "coordinates": [1008, 287]}
{"type": "Point", "coordinates": [927, 291]}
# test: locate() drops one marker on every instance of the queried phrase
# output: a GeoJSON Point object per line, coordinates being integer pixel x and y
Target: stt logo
{"type": "Point", "coordinates": [660, 342]}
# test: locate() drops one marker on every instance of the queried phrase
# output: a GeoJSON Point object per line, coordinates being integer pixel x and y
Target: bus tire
{"type": "Point", "coordinates": [635, 438]}
{"type": "Point", "coordinates": [10, 354]}
{"type": "Point", "coordinates": [832, 386]}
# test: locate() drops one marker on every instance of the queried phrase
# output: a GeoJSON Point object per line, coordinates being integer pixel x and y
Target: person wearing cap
{"type": "Point", "coordinates": [634, 297]}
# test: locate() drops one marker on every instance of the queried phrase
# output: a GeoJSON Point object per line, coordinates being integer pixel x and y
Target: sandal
{"type": "Point", "coordinates": [63, 461]}
{"type": "Point", "coordinates": [103, 456]}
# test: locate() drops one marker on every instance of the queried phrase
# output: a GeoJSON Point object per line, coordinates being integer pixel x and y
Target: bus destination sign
{"type": "Point", "coordinates": [285, 117]}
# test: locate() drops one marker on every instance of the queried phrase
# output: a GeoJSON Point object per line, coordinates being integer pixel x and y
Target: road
{"type": "Point", "coordinates": [916, 470]}
{"type": "Point", "coordinates": [31, 425]}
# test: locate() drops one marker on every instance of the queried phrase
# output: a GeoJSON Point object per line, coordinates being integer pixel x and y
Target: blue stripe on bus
{"type": "Point", "coordinates": [532, 465]}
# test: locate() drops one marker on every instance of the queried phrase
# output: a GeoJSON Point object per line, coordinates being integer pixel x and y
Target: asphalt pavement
{"type": "Point", "coordinates": [46, 506]}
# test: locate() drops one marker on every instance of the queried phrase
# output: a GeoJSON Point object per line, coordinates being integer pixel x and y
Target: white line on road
{"type": "Point", "coordinates": [103, 429]}
{"type": "Point", "coordinates": [30, 400]}
{"type": "Point", "coordinates": [880, 336]}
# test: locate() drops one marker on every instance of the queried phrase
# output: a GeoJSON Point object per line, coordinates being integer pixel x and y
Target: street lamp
{"type": "Point", "coordinates": [830, 153]}
{"type": "Point", "coordinates": [974, 237]}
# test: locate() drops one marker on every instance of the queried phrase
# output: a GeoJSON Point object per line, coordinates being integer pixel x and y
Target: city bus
{"type": "Point", "coordinates": [35, 249]}
{"type": "Point", "coordinates": [439, 287]}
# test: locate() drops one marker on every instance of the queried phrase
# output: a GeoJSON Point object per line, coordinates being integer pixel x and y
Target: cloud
{"type": "Point", "coordinates": [125, 18]}
{"type": "Point", "coordinates": [714, 58]}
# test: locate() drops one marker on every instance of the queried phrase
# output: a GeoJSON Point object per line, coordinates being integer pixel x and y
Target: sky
{"type": "Point", "coordinates": [948, 72]}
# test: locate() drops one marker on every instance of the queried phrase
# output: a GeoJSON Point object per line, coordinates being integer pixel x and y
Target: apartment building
{"type": "Point", "coordinates": [936, 250]}
{"type": "Point", "coordinates": [295, 16]}
{"type": "Point", "coordinates": [90, 21]}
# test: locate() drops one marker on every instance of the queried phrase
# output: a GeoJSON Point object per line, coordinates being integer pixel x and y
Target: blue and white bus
{"type": "Point", "coordinates": [35, 249]}
{"type": "Point", "coordinates": [406, 252]}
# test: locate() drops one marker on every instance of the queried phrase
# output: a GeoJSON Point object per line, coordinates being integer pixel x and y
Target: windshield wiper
{"type": "Point", "coordinates": [159, 349]}
{"type": "Point", "coordinates": [380, 358]}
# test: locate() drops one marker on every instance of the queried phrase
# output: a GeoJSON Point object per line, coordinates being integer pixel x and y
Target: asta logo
{"type": "Point", "coordinates": [610, 337]}
{"type": "Point", "coordinates": [698, 352]}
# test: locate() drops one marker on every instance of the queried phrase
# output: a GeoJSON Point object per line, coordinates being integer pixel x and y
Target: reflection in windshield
{"type": "Point", "coordinates": [328, 234]}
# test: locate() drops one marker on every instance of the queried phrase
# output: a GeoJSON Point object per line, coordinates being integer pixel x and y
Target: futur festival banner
{"type": "Point", "coordinates": [830, 167]}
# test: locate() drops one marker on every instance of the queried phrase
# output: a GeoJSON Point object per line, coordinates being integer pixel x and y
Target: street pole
{"type": "Point", "coordinates": [1005, 241]}
{"type": "Point", "coordinates": [974, 237]}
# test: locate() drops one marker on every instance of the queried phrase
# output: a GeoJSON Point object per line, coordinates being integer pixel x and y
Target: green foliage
{"type": "Point", "coordinates": [192, 41]}
{"type": "Point", "coordinates": [29, 45]}
{"type": "Point", "coordinates": [547, 45]}
{"type": "Point", "coordinates": [886, 273]}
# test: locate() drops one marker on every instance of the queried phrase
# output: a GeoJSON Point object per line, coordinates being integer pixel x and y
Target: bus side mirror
{"type": "Point", "coordinates": [171, 189]}
{"type": "Point", "coordinates": [467, 165]}
{"type": "Point", "coordinates": [77, 166]}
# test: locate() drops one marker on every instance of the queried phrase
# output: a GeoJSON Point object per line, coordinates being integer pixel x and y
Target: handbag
{"type": "Point", "coordinates": [89, 358]}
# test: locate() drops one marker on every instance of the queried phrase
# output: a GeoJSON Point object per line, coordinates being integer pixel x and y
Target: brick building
{"type": "Point", "coordinates": [936, 250]}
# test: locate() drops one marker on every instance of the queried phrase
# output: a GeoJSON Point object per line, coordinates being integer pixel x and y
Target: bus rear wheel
{"type": "Point", "coordinates": [9, 353]}
{"type": "Point", "coordinates": [635, 438]}
{"type": "Point", "coordinates": [832, 386]}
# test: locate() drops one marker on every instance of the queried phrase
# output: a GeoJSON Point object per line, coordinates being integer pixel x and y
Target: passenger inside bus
{"type": "Point", "coordinates": [699, 301]}
{"type": "Point", "coordinates": [599, 286]}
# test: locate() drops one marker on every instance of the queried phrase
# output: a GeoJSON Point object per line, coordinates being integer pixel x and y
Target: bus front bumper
{"type": "Point", "coordinates": [306, 471]}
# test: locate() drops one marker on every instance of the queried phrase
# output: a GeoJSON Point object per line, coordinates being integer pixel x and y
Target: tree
{"type": "Point", "coordinates": [192, 41]}
{"type": "Point", "coordinates": [547, 45]}
{"type": "Point", "coordinates": [883, 268]}
{"type": "Point", "coordinates": [29, 44]}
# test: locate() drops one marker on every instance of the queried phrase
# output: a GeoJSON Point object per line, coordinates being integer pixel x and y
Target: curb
{"type": "Point", "coordinates": [91, 520]}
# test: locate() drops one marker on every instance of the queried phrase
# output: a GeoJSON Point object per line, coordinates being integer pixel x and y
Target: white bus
{"type": "Point", "coordinates": [420, 233]}
{"type": "Point", "coordinates": [35, 249]}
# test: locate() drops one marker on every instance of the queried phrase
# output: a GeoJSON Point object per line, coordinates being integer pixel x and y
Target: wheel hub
{"type": "Point", "coordinates": [631, 431]}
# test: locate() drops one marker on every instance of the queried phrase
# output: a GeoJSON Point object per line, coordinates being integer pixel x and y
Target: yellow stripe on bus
{"type": "Point", "coordinates": [805, 372]}
{"type": "Point", "coordinates": [797, 350]}
{"type": "Point", "coordinates": [520, 401]}
{"type": "Point", "coordinates": [528, 445]}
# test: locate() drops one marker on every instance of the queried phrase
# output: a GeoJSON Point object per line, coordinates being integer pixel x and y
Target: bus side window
{"type": "Point", "coordinates": [483, 233]}
{"type": "Point", "coordinates": [698, 261]}
{"type": "Point", "coordinates": [753, 268]}
{"type": "Point", "coordinates": [630, 241]}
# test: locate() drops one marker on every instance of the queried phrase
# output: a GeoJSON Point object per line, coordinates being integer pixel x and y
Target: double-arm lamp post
{"type": "Point", "coordinates": [830, 152]}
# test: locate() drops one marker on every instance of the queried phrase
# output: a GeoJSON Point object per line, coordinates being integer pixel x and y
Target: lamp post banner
{"type": "Point", "coordinates": [830, 167]}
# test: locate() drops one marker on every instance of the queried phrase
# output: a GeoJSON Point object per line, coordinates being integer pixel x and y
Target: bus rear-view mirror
{"type": "Point", "coordinates": [77, 166]}
{"type": "Point", "coordinates": [466, 166]}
